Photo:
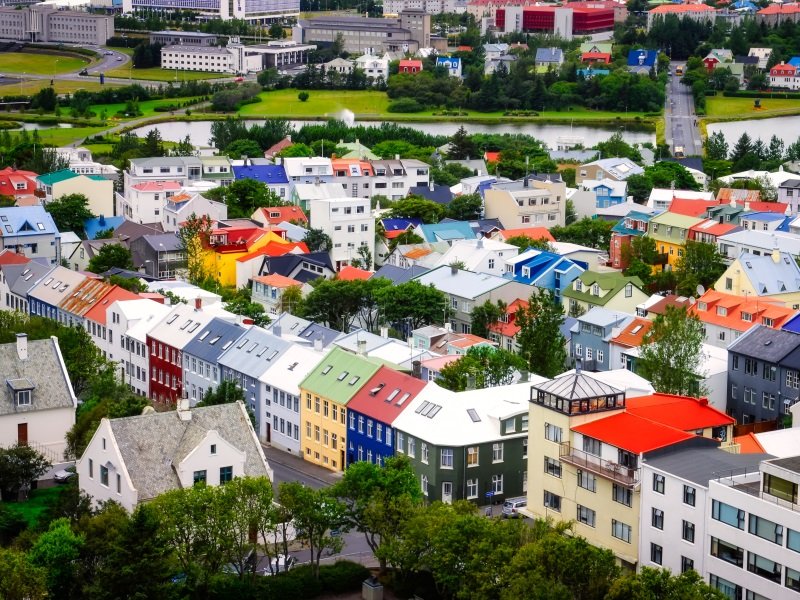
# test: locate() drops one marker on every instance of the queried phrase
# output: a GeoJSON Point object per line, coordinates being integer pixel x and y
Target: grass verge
{"type": "Point", "coordinates": [158, 74]}
{"type": "Point", "coordinates": [36, 504]}
{"type": "Point", "coordinates": [39, 64]}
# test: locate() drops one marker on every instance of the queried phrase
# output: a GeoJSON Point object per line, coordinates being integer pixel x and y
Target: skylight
{"type": "Point", "coordinates": [56, 284]}
{"type": "Point", "coordinates": [403, 398]}
{"type": "Point", "coordinates": [393, 395]}
{"type": "Point", "coordinates": [342, 376]}
{"type": "Point", "coordinates": [434, 412]}
{"type": "Point", "coordinates": [424, 406]}
{"type": "Point", "coordinates": [354, 380]}
{"type": "Point", "coordinates": [214, 340]}
{"type": "Point", "coordinates": [273, 355]}
{"type": "Point", "coordinates": [327, 369]}
{"type": "Point", "coordinates": [252, 347]}
{"type": "Point", "coordinates": [194, 327]}
{"type": "Point", "coordinates": [205, 335]}
{"type": "Point", "coordinates": [185, 325]}
{"type": "Point", "coordinates": [227, 344]}
{"type": "Point", "coordinates": [172, 319]}
{"type": "Point", "coordinates": [49, 281]}
{"type": "Point", "coordinates": [261, 352]}
{"type": "Point", "coordinates": [241, 344]}
{"type": "Point", "coordinates": [374, 391]}
{"type": "Point", "coordinates": [473, 414]}
{"type": "Point", "coordinates": [636, 329]}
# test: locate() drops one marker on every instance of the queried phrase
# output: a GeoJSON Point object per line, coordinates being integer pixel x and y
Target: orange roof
{"type": "Point", "coordinates": [725, 195]}
{"type": "Point", "coordinates": [776, 9]}
{"type": "Point", "coordinates": [535, 233]}
{"type": "Point", "coordinates": [274, 215]}
{"type": "Point", "coordinates": [9, 257]}
{"type": "Point", "coordinates": [596, 56]}
{"type": "Point", "coordinates": [390, 235]}
{"type": "Point", "coordinates": [464, 49]}
{"type": "Point", "coordinates": [633, 433]}
{"type": "Point", "coordinates": [350, 273]}
{"type": "Point", "coordinates": [97, 313]}
{"type": "Point", "coordinates": [276, 249]}
{"type": "Point", "coordinates": [278, 147]}
{"type": "Point", "coordinates": [343, 164]}
{"type": "Point", "coordinates": [691, 208]}
{"type": "Point", "coordinates": [410, 63]}
{"type": "Point", "coordinates": [755, 309]}
{"type": "Point", "coordinates": [491, 156]}
{"type": "Point", "coordinates": [681, 8]}
{"type": "Point", "coordinates": [632, 336]}
{"type": "Point", "coordinates": [467, 340]}
{"type": "Point", "coordinates": [681, 412]}
{"type": "Point", "coordinates": [418, 253]}
{"type": "Point", "coordinates": [749, 444]}
{"type": "Point", "coordinates": [86, 295]}
{"type": "Point", "coordinates": [277, 280]}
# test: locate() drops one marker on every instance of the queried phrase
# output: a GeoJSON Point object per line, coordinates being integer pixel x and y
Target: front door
{"type": "Point", "coordinates": [22, 434]}
{"type": "Point", "coordinates": [447, 492]}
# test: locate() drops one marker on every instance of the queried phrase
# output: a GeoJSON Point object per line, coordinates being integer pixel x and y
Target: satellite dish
{"type": "Point", "coordinates": [700, 290]}
{"type": "Point", "coordinates": [692, 300]}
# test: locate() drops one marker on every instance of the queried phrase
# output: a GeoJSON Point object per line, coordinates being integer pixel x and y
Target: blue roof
{"type": "Point", "coordinates": [400, 224]}
{"type": "Point", "coordinates": [792, 324]}
{"type": "Point", "coordinates": [212, 340]}
{"type": "Point", "coordinates": [453, 230]}
{"type": "Point", "coordinates": [551, 55]}
{"type": "Point", "coordinates": [587, 73]}
{"type": "Point", "coordinates": [451, 62]}
{"type": "Point", "coordinates": [540, 264]}
{"type": "Point", "coordinates": [785, 225]}
{"type": "Point", "coordinates": [26, 220]}
{"type": "Point", "coordinates": [794, 61]}
{"type": "Point", "coordinates": [398, 275]}
{"type": "Point", "coordinates": [762, 216]}
{"type": "Point", "coordinates": [744, 5]}
{"type": "Point", "coordinates": [644, 58]}
{"type": "Point", "coordinates": [268, 174]}
{"type": "Point", "coordinates": [97, 224]}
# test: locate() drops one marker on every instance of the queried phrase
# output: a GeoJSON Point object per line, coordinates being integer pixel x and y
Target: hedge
{"type": "Point", "coordinates": [754, 94]}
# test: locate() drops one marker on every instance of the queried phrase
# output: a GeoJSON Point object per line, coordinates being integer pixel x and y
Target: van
{"type": "Point", "coordinates": [512, 505]}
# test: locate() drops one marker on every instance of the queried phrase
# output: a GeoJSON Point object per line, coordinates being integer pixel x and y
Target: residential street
{"type": "Point", "coordinates": [681, 120]}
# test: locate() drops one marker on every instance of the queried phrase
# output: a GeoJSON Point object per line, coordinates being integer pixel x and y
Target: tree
{"type": "Point", "coordinates": [20, 465]}
{"type": "Point", "coordinates": [378, 499]}
{"type": "Point", "coordinates": [466, 207]}
{"type": "Point", "coordinates": [616, 146]}
{"type": "Point", "coordinates": [244, 196]}
{"type": "Point", "coordinates": [417, 207]}
{"type": "Point", "coordinates": [240, 148]}
{"type": "Point", "coordinates": [19, 579]}
{"type": "Point", "coordinates": [716, 146]}
{"type": "Point", "coordinates": [291, 299]}
{"type": "Point", "coordinates": [335, 302]}
{"type": "Point", "coordinates": [540, 341]}
{"type": "Point", "coordinates": [652, 583]}
{"type": "Point", "coordinates": [225, 393]}
{"type": "Point", "coordinates": [276, 31]}
{"type": "Point", "coordinates": [363, 259]}
{"type": "Point", "coordinates": [316, 513]}
{"type": "Point", "coordinates": [481, 367]}
{"type": "Point", "coordinates": [412, 302]}
{"type": "Point", "coordinates": [57, 550]}
{"type": "Point", "coordinates": [252, 519]}
{"type": "Point", "coordinates": [523, 242]}
{"type": "Point", "coordinates": [486, 315]}
{"type": "Point", "coordinates": [461, 146]}
{"type": "Point", "coordinates": [69, 212]}
{"type": "Point", "coordinates": [302, 96]}
{"type": "Point", "coordinates": [111, 256]}
{"type": "Point", "coordinates": [192, 236]}
{"type": "Point", "coordinates": [45, 99]}
{"type": "Point", "coordinates": [318, 241]}
{"type": "Point", "coordinates": [701, 264]}
{"type": "Point", "coordinates": [241, 303]}
{"type": "Point", "coordinates": [595, 233]}
{"type": "Point", "coordinates": [672, 353]}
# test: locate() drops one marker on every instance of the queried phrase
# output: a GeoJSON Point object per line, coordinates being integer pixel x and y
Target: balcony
{"type": "Point", "coordinates": [616, 472]}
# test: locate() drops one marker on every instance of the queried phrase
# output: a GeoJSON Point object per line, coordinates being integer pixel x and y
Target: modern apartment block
{"type": "Point", "coordinates": [253, 11]}
{"type": "Point", "coordinates": [348, 222]}
{"type": "Point", "coordinates": [40, 23]}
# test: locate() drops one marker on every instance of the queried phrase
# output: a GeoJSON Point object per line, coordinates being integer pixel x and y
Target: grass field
{"type": "Point", "coordinates": [147, 107]}
{"type": "Point", "coordinates": [62, 87]}
{"type": "Point", "coordinates": [39, 64]}
{"type": "Point", "coordinates": [720, 106]}
{"type": "Point", "coordinates": [38, 502]}
{"type": "Point", "coordinates": [64, 136]}
{"type": "Point", "coordinates": [158, 74]}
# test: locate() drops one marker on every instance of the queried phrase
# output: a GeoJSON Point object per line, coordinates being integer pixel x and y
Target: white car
{"type": "Point", "coordinates": [119, 58]}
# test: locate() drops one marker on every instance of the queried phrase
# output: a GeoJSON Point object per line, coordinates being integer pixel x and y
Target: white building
{"type": "Point", "coordinates": [661, 199]}
{"type": "Point", "coordinates": [144, 202]}
{"type": "Point", "coordinates": [135, 459]}
{"type": "Point", "coordinates": [480, 256]}
{"type": "Point", "coordinates": [349, 224]}
{"type": "Point", "coordinates": [253, 11]}
{"type": "Point", "coordinates": [212, 59]}
{"type": "Point", "coordinates": [757, 243]}
{"type": "Point", "coordinates": [374, 67]}
{"type": "Point", "coordinates": [179, 207]}
{"type": "Point", "coordinates": [432, 7]}
{"type": "Point", "coordinates": [81, 162]}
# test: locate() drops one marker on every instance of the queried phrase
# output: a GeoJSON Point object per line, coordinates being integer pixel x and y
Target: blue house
{"type": "Point", "coordinates": [273, 176]}
{"type": "Point", "coordinates": [30, 231]}
{"type": "Point", "coordinates": [95, 225]}
{"type": "Point", "coordinates": [445, 232]}
{"type": "Point", "coordinates": [607, 192]}
{"type": "Point", "coordinates": [641, 61]}
{"type": "Point", "coordinates": [591, 336]}
{"type": "Point", "coordinates": [451, 63]}
{"type": "Point", "coordinates": [546, 270]}
{"type": "Point", "coordinates": [372, 412]}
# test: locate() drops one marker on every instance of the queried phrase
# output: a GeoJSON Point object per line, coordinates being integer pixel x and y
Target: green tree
{"type": "Point", "coordinates": [716, 146]}
{"type": "Point", "coordinates": [244, 196]}
{"type": "Point", "coordinates": [57, 550]}
{"type": "Point", "coordinates": [523, 242]}
{"type": "Point", "coordinates": [335, 302]}
{"type": "Point", "coordinates": [45, 99]}
{"type": "Point", "coordinates": [225, 393]}
{"type": "Point", "coordinates": [651, 583]}
{"type": "Point", "coordinates": [378, 499]}
{"type": "Point", "coordinates": [417, 207]}
{"type": "Point", "coordinates": [291, 299]}
{"type": "Point", "coordinates": [240, 148]}
{"type": "Point", "coordinates": [617, 147]}
{"type": "Point", "coordinates": [418, 304]}
{"type": "Point", "coordinates": [69, 212]}
{"type": "Point", "coordinates": [407, 237]}
{"type": "Point", "coordinates": [109, 257]}
{"type": "Point", "coordinates": [461, 146]}
{"type": "Point", "coordinates": [192, 236]}
{"type": "Point", "coordinates": [19, 579]}
{"type": "Point", "coordinates": [595, 233]}
{"type": "Point", "coordinates": [276, 31]}
{"type": "Point", "coordinates": [486, 315]}
{"type": "Point", "coordinates": [481, 366]}
{"type": "Point", "coordinates": [252, 512]}
{"type": "Point", "coordinates": [672, 352]}
{"type": "Point", "coordinates": [302, 96]}
{"type": "Point", "coordinates": [701, 264]}
{"type": "Point", "coordinates": [540, 341]}
{"type": "Point", "coordinates": [241, 303]}
{"type": "Point", "coordinates": [317, 240]}
{"type": "Point", "coordinates": [20, 465]}
{"type": "Point", "coordinates": [466, 207]}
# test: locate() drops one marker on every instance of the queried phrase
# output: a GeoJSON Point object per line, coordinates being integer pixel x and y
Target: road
{"type": "Point", "coordinates": [681, 120]}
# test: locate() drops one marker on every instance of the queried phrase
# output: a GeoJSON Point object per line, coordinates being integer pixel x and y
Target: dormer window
{"type": "Point", "coordinates": [722, 311]}
{"type": "Point", "coordinates": [578, 285]}
{"type": "Point", "coordinates": [23, 398]}
{"type": "Point", "coordinates": [595, 290]}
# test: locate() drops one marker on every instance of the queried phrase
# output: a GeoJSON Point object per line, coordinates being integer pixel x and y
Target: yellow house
{"type": "Point", "coordinates": [670, 232]}
{"type": "Point", "coordinates": [774, 276]}
{"type": "Point", "coordinates": [98, 190]}
{"type": "Point", "coordinates": [324, 394]}
{"type": "Point", "coordinates": [225, 245]}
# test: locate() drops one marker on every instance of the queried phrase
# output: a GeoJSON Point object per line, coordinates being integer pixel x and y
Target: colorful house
{"type": "Point", "coordinates": [324, 396]}
{"type": "Point", "coordinates": [612, 290]}
{"type": "Point", "coordinates": [225, 245]}
{"type": "Point", "coordinates": [670, 231]}
{"type": "Point", "coordinates": [410, 66]}
{"type": "Point", "coordinates": [543, 269]}
{"type": "Point", "coordinates": [771, 276]}
{"type": "Point", "coordinates": [451, 63]}
{"type": "Point", "coordinates": [635, 224]}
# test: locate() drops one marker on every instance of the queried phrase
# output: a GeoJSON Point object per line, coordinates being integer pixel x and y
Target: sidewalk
{"type": "Point", "coordinates": [297, 464]}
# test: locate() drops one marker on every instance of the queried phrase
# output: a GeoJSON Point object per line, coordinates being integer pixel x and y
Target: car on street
{"type": "Point", "coordinates": [119, 58]}
{"type": "Point", "coordinates": [512, 505]}
{"type": "Point", "coordinates": [108, 53]}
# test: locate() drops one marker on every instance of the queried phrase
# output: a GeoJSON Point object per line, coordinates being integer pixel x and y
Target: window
{"type": "Point", "coordinates": [24, 398]}
{"type": "Point", "coordinates": [412, 447]}
{"type": "Point", "coordinates": [472, 488]}
{"type": "Point", "coordinates": [658, 483]}
{"type": "Point", "coordinates": [552, 501]}
{"type": "Point", "coordinates": [793, 579]}
{"type": "Point", "coordinates": [728, 552]}
{"type": "Point", "coordinates": [793, 540]}
{"type": "Point", "coordinates": [657, 518]}
{"type": "Point", "coordinates": [424, 457]}
{"type": "Point", "coordinates": [552, 467]}
{"type": "Point", "coordinates": [687, 564]}
{"type": "Point", "coordinates": [591, 445]}
{"type": "Point", "coordinates": [497, 452]}
{"type": "Point", "coordinates": [768, 372]}
{"type": "Point", "coordinates": [731, 590]}
{"type": "Point", "coordinates": [621, 531]}
{"type": "Point", "coordinates": [104, 475]}
{"type": "Point", "coordinates": [587, 481]}
{"type": "Point", "coordinates": [497, 484]}
{"type": "Point", "coordinates": [199, 477]}
{"type": "Point", "coordinates": [689, 495]}
{"type": "Point", "coordinates": [656, 553]}
{"type": "Point", "coordinates": [552, 433]}
{"type": "Point", "coordinates": [423, 484]}
{"type": "Point", "coordinates": [766, 529]}
{"type": "Point", "coordinates": [586, 516]}
{"type": "Point", "coordinates": [472, 456]}
{"type": "Point", "coordinates": [446, 458]}
{"type": "Point", "coordinates": [119, 483]}
{"type": "Point", "coordinates": [793, 379]}
{"type": "Point", "coordinates": [225, 474]}
{"type": "Point", "coordinates": [768, 401]}
{"type": "Point", "coordinates": [400, 442]}
{"type": "Point", "coordinates": [727, 514]}
{"type": "Point", "coordinates": [621, 494]}
{"type": "Point", "coordinates": [213, 449]}
{"type": "Point", "coordinates": [764, 567]}
{"type": "Point", "coordinates": [688, 532]}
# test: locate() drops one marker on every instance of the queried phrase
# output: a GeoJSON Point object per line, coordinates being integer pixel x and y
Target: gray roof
{"type": "Point", "coordinates": [790, 183]}
{"type": "Point", "coordinates": [166, 161]}
{"type": "Point", "coordinates": [769, 276]}
{"type": "Point", "coordinates": [399, 275]}
{"type": "Point", "coordinates": [153, 444]}
{"type": "Point", "coordinates": [211, 340]}
{"type": "Point", "coordinates": [790, 463]}
{"type": "Point", "coordinates": [603, 317]}
{"type": "Point", "coordinates": [576, 386]}
{"type": "Point", "coordinates": [349, 341]}
{"type": "Point", "coordinates": [253, 352]}
{"type": "Point", "coordinates": [21, 278]}
{"type": "Point", "coordinates": [169, 241]}
{"type": "Point", "coordinates": [765, 343]}
{"type": "Point", "coordinates": [315, 331]}
{"type": "Point", "coordinates": [289, 324]}
{"type": "Point", "coordinates": [43, 372]}
{"type": "Point", "coordinates": [551, 55]}
{"type": "Point", "coordinates": [463, 283]}
{"type": "Point", "coordinates": [701, 465]}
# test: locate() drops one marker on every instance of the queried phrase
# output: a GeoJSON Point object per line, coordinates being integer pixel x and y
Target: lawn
{"type": "Point", "coordinates": [720, 106]}
{"type": "Point", "coordinates": [64, 136]}
{"type": "Point", "coordinates": [158, 74]}
{"type": "Point", "coordinates": [147, 107]}
{"type": "Point", "coordinates": [320, 103]}
{"type": "Point", "coordinates": [62, 87]}
{"type": "Point", "coordinates": [38, 502]}
{"type": "Point", "coordinates": [39, 64]}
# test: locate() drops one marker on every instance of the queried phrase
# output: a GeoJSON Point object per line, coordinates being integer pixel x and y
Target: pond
{"type": "Point", "coordinates": [786, 128]}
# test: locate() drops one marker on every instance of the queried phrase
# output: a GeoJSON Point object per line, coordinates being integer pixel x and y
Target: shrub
{"type": "Point", "coordinates": [343, 576]}
{"type": "Point", "coordinates": [302, 96]}
{"type": "Point", "coordinates": [405, 105]}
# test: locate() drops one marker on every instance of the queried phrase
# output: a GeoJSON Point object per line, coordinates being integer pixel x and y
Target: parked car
{"type": "Point", "coordinates": [107, 53]}
{"type": "Point", "coordinates": [119, 58]}
{"type": "Point", "coordinates": [64, 475]}
{"type": "Point", "coordinates": [512, 505]}
{"type": "Point", "coordinates": [279, 564]}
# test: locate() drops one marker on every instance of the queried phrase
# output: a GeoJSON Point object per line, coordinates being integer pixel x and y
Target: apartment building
{"type": "Point", "coordinates": [614, 169]}
{"type": "Point", "coordinates": [634, 224]}
{"type": "Point", "coordinates": [431, 7]}
{"type": "Point", "coordinates": [531, 202]}
{"type": "Point", "coordinates": [184, 170]}
{"type": "Point", "coordinates": [212, 59]}
{"type": "Point", "coordinates": [611, 290]}
{"type": "Point", "coordinates": [349, 224]}
{"type": "Point", "coordinates": [42, 23]}
{"type": "Point", "coordinates": [253, 11]}
{"type": "Point", "coordinates": [757, 243]}
{"type": "Point", "coordinates": [670, 231]}
{"type": "Point", "coordinates": [178, 208]}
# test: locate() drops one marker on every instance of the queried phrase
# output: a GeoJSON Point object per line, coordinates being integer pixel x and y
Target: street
{"type": "Point", "coordinates": [681, 121]}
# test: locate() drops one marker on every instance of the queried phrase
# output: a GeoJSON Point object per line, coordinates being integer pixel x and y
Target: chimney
{"type": "Point", "coordinates": [184, 412]}
{"type": "Point", "coordinates": [318, 344]}
{"type": "Point", "coordinates": [453, 270]}
{"type": "Point", "coordinates": [362, 347]}
{"type": "Point", "coordinates": [276, 330]}
{"type": "Point", "coordinates": [747, 205]}
{"type": "Point", "coordinates": [448, 327]}
{"type": "Point", "coordinates": [22, 346]}
{"type": "Point", "coordinates": [384, 332]}
{"type": "Point", "coordinates": [198, 303]}
{"type": "Point", "coordinates": [416, 369]}
{"type": "Point", "coordinates": [480, 242]}
{"type": "Point", "coordinates": [102, 220]}
{"type": "Point", "coordinates": [525, 182]}
{"type": "Point", "coordinates": [776, 255]}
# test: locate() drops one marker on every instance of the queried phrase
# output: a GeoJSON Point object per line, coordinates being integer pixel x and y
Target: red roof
{"type": "Point", "coordinates": [681, 412]}
{"type": "Point", "coordinates": [11, 179]}
{"type": "Point", "coordinates": [408, 65]}
{"type": "Point", "coordinates": [681, 8]}
{"type": "Point", "coordinates": [777, 9]}
{"type": "Point", "coordinates": [749, 444]}
{"type": "Point", "coordinates": [274, 215]}
{"type": "Point", "coordinates": [632, 336]}
{"type": "Point", "coordinates": [603, 56]}
{"type": "Point", "coordinates": [9, 257]}
{"type": "Point", "coordinates": [350, 273]}
{"type": "Point", "coordinates": [633, 433]}
{"type": "Point", "coordinates": [691, 208]}
{"type": "Point", "coordinates": [390, 235]}
{"type": "Point", "coordinates": [98, 312]}
{"type": "Point", "coordinates": [660, 307]}
{"type": "Point", "coordinates": [713, 227]}
{"type": "Point", "coordinates": [509, 328]}
{"type": "Point", "coordinates": [278, 147]}
{"type": "Point", "coordinates": [755, 309]}
{"type": "Point", "coordinates": [157, 186]}
{"type": "Point", "coordinates": [491, 156]}
{"type": "Point", "coordinates": [535, 233]}
{"type": "Point", "coordinates": [234, 239]}
{"type": "Point", "coordinates": [383, 396]}
{"type": "Point", "coordinates": [464, 49]}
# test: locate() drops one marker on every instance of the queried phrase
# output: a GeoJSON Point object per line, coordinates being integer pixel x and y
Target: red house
{"type": "Point", "coordinates": [596, 58]}
{"type": "Point", "coordinates": [410, 66]}
{"type": "Point", "coordinates": [16, 183]}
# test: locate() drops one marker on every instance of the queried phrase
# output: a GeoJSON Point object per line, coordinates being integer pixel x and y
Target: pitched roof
{"type": "Point", "coordinates": [687, 207]}
{"type": "Point", "coordinates": [277, 281]}
{"type": "Point", "coordinates": [57, 177]}
{"type": "Point", "coordinates": [180, 325]}
{"type": "Point", "coordinates": [765, 343]}
{"type": "Point", "coordinates": [769, 276]}
{"type": "Point", "coordinates": [461, 283]}
{"type": "Point", "coordinates": [274, 215]}
{"type": "Point", "coordinates": [748, 443]}
{"type": "Point", "coordinates": [9, 257]}
{"type": "Point", "coordinates": [632, 335]}
{"type": "Point", "coordinates": [682, 412]}
{"type": "Point", "coordinates": [340, 375]}
{"type": "Point", "coordinates": [350, 273]}
{"type": "Point", "coordinates": [612, 282]}
{"type": "Point", "coordinates": [87, 294]}
{"type": "Point", "coordinates": [209, 341]}
{"type": "Point", "coordinates": [253, 352]}
{"type": "Point", "coordinates": [509, 327]}
{"type": "Point", "coordinates": [278, 147]}
{"type": "Point", "coordinates": [268, 174]}
{"type": "Point", "coordinates": [681, 8]}
{"type": "Point", "coordinates": [386, 394]}
{"type": "Point", "coordinates": [633, 433]}
{"type": "Point", "coordinates": [551, 55]}
{"type": "Point", "coordinates": [26, 220]}
{"type": "Point", "coordinates": [709, 309]}
{"type": "Point", "coordinates": [97, 313]}
{"type": "Point", "coordinates": [152, 445]}
{"type": "Point", "coordinates": [576, 385]}
{"type": "Point", "coordinates": [157, 186]}
{"type": "Point", "coordinates": [535, 233]}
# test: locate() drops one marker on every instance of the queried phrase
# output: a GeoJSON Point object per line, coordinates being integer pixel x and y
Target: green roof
{"type": "Point", "coordinates": [340, 375]}
{"type": "Point", "coordinates": [57, 176]}
{"type": "Point", "coordinates": [668, 219]}
{"type": "Point", "coordinates": [97, 178]}
{"type": "Point", "coordinates": [613, 283]}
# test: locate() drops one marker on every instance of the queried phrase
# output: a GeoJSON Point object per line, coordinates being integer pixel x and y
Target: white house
{"type": "Point", "coordinates": [179, 207]}
{"type": "Point", "coordinates": [480, 256]}
{"type": "Point", "coordinates": [38, 402]}
{"type": "Point", "coordinates": [144, 202]}
{"type": "Point", "coordinates": [135, 459]}
{"type": "Point", "coordinates": [349, 224]}
{"type": "Point", "coordinates": [375, 68]}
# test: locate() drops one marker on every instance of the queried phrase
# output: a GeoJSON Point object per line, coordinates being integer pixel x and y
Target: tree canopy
{"type": "Point", "coordinates": [111, 256]}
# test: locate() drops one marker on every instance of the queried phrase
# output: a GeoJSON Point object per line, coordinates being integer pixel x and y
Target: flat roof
{"type": "Point", "coordinates": [701, 465]}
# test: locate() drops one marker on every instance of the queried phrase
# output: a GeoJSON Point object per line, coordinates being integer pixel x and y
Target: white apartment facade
{"type": "Point", "coordinates": [432, 7]}
{"type": "Point", "coordinates": [348, 222]}
{"type": "Point", "coordinates": [527, 203]}
{"type": "Point", "coordinates": [253, 11]}
{"type": "Point", "coordinates": [212, 59]}
{"type": "Point", "coordinates": [144, 202]}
